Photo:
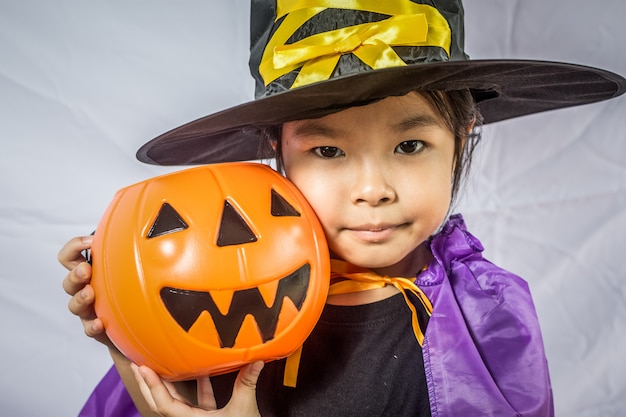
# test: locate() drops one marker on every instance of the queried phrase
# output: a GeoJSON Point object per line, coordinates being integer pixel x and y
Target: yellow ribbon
{"type": "Point", "coordinates": [292, 364]}
{"type": "Point", "coordinates": [362, 279]}
{"type": "Point", "coordinates": [410, 24]}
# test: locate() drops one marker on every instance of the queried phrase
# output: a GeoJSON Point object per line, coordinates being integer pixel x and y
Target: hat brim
{"type": "Point", "coordinates": [503, 89]}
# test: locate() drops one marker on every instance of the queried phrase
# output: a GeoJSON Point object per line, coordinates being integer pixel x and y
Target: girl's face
{"type": "Point", "coordinates": [379, 178]}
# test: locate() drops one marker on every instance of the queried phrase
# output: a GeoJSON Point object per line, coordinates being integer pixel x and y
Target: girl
{"type": "Point", "coordinates": [371, 110]}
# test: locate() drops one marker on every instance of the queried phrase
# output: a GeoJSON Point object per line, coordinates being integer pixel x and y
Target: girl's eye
{"type": "Point", "coordinates": [328, 151]}
{"type": "Point", "coordinates": [410, 146]}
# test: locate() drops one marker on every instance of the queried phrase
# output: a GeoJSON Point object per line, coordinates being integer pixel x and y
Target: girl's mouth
{"type": "Point", "coordinates": [373, 233]}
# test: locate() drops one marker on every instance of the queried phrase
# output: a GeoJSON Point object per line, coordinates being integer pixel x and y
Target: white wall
{"type": "Point", "coordinates": [84, 83]}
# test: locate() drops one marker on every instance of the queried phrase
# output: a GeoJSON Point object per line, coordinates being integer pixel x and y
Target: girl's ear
{"type": "Point", "coordinates": [274, 144]}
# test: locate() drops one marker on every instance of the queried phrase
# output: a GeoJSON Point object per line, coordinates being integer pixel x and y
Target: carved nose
{"type": "Point", "coordinates": [233, 228]}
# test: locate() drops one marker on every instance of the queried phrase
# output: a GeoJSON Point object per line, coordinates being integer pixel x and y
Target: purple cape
{"type": "Point", "coordinates": [483, 351]}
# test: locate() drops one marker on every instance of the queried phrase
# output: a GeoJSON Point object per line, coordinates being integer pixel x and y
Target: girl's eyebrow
{"type": "Point", "coordinates": [315, 128]}
{"type": "Point", "coordinates": [415, 121]}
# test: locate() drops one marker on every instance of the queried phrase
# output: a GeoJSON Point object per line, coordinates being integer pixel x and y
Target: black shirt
{"type": "Point", "coordinates": [359, 361]}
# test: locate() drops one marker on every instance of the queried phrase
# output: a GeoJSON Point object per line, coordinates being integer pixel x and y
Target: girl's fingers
{"type": "Point", "coordinates": [248, 376]}
{"type": "Point", "coordinates": [161, 396]}
{"type": "Point", "coordinates": [171, 389]}
{"type": "Point", "coordinates": [143, 387]}
{"type": "Point", "coordinates": [206, 397]}
{"type": "Point", "coordinates": [81, 303]}
{"type": "Point", "coordinates": [77, 278]}
{"type": "Point", "coordinates": [243, 401]}
{"type": "Point", "coordinates": [71, 255]}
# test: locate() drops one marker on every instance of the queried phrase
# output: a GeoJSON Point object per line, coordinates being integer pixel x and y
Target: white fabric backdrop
{"type": "Point", "coordinates": [84, 83]}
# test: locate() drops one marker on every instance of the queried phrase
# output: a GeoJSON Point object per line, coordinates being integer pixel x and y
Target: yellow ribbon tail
{"type": "Point", "coordinates": [417, 330]}
{"type": "Point", "coordinates": [316, 70]}
{"type": "Point", "coordinates": [292, 365]}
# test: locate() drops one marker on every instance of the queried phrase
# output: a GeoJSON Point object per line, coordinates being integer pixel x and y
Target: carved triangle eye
{"type": "Point", "coordinates": [168, 221]}
{"type": "Point", "coordinates": [233, 228]}
{"type": "Point", "coordinates": [280, 207]}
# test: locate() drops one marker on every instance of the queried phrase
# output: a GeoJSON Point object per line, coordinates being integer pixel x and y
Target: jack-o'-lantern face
{"type": "Point", "coordinates": [204, 270]}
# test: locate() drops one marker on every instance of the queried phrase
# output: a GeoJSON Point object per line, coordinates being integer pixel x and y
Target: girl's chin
{"type": "Point", "coordinates": [396, 262]}
{"type": "Point", "coordinates": [363, 260]}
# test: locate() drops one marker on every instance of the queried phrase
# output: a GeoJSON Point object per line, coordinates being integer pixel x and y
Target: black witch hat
{"type": "Point", "coordinates": [311, 58]}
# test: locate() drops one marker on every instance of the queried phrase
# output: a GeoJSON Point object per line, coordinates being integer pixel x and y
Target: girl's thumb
{"type": "Point", "coordinates": [243, 400]}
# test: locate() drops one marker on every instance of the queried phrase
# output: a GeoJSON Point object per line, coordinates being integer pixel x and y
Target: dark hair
{"type": "Point", "coordinates": [459, 112]}
{"type": "Point", "coordinates": [456, 108]}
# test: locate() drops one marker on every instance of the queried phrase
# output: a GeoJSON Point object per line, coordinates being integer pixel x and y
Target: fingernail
{"type": "Point", "coordinates": [86, 240]}
{"type": "Point", "coordinates": [94, 328]}
{"type": "Point", "coordinates": [80, 271]}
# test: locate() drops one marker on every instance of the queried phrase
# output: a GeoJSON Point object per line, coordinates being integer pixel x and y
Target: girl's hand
{"type": "Point", "coordinates": [163, 398]}
{"type": "Point", "coordinates": [76, 284]}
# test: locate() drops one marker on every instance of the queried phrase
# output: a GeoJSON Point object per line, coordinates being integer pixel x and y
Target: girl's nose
{"type": "Point", "coordinates": [372, 186]}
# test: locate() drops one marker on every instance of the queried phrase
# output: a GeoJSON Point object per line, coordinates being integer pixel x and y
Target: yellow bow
{"type": "Point", "coordinates": [410, 24]}
{"type": "Point", "coordinates": [361, 279]}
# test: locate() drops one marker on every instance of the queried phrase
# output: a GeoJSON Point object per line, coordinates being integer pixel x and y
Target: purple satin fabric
{"type": "Point", "coordinates": [483, 350]}
{"type": "Point", "coordinates": [110, 399]}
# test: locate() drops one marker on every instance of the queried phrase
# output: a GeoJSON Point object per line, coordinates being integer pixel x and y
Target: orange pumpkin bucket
{"type": "Point", "coordinates": [204, 270]}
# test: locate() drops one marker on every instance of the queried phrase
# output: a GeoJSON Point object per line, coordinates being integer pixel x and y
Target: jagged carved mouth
{"type": "Point", "coordinates": [185, 306]}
